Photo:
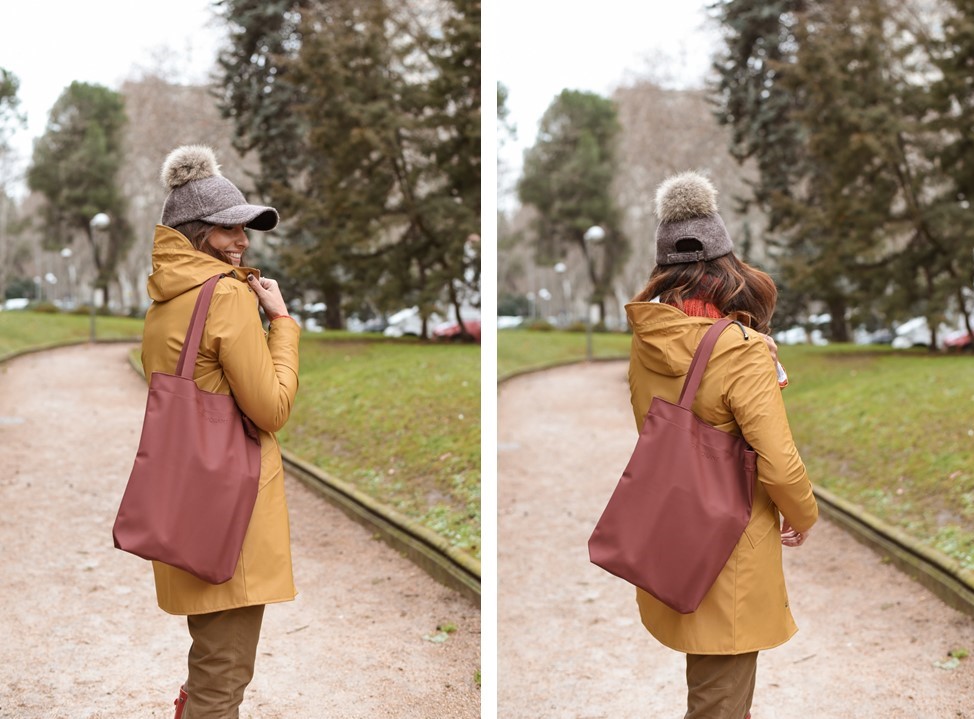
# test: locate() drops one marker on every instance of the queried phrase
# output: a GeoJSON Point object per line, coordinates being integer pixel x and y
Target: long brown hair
{"type": "Point", "coordinates": [198, 233]}
{"type": "Point", "coordinates": [738, 290]}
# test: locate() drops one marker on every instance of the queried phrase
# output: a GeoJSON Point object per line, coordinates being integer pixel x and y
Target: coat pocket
{"type": "Point", "coordinates": [763, 520]}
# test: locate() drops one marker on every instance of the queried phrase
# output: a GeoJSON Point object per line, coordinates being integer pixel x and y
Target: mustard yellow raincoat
{"type": "Point", "coordinates": [261, 371]}
{"type": "Point", "coordinates": [747, 608]}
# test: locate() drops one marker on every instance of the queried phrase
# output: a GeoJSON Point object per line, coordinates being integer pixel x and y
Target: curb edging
{"type": "Point", "coordinates": [943, 576]}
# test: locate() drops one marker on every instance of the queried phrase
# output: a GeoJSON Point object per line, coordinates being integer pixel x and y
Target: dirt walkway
{"type": "Point", "coordinates": [570, 644]}
{"type": "Point", "coordinates": [81, 636]}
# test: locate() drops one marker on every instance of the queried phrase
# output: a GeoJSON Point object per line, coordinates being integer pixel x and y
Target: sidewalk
{"type": "Point", "coordinates": [81, 634]}
{"type": "Point", "coordinates": [570, 644]}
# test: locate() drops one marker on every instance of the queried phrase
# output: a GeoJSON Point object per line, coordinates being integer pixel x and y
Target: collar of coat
{"type": "Point", "coordinates": [178, 267]}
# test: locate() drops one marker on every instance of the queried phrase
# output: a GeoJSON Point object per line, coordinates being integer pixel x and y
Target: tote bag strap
{"type": "Point", "coordinates": [191, 345]}
{"type": "Point", "coordinates": [699, 363]}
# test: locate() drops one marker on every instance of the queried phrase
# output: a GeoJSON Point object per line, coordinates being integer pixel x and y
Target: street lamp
{"type": "Point", "coordinates": [593, 235]}
{"type": "Point", "coordinates": [98, 223]}
{"type": "Point", "coordinates": [66, 255]}
{"type": "Point", "coordinates": [560, 268]}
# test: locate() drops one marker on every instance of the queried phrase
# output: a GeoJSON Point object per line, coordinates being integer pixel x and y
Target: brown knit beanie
{"type": "Point", "coordinates": [690, 230]}
{"type": "Point", "coordinates": [199, 192]}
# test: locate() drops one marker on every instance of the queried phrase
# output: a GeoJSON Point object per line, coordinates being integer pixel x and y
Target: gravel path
{"type": "Point", "coordinates": [570, 644]}
{"type": "Point", "coordinates": [81, 635]}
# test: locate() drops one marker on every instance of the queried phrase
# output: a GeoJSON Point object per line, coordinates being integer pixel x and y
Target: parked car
{"type": "Point", "coordinates": [452, 331]}
{"type": "Point", "coordinates": [409, 322]}
{"type": "Point", "coordinates": [960, 340]}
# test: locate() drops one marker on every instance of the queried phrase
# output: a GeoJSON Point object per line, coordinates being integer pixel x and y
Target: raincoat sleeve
{"type": "Point", "coordinates": [262, 370]}
{"type": "Point", "coordinates": [752, 393]}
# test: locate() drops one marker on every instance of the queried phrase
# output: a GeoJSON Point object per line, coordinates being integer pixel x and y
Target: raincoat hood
{"type": "Point", "coordinates": [178, 267]}
{"type": "Point", "coordinates": [663, 337]}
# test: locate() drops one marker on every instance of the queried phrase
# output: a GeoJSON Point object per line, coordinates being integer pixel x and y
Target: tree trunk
{"type": "Point", "coordinates": [333, 309]}
{"type": "Point", "coordinates": [964, 313]}
{"type": "Point", "coordinates": [840, 328]}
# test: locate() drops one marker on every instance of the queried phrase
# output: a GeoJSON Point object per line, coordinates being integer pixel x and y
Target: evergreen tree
{"type": "Point", "coordinates": [378, 165]}
{"type": "Point", "coordinates": [751, 96]}
{"type": "Point", "coordinates": [76, 165]}
{"type": "Point", "coordinates": [256, 91]}
{"type": "Point", "coordinates": [952, 102]}
{"type": "Point", "coordinates": [567, 176]}
{"type": "Point", "coordinates": [9, 102]}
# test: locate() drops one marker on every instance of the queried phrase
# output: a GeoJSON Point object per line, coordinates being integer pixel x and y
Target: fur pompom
{"type": "Point", "coordinates": [188, 163]}
{"type": "Point", "coordinates": [686, 195]}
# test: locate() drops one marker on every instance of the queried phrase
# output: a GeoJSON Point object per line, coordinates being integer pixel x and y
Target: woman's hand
{"type": "Point", "coordinates": [268, 295]}
{"type": "Point", "coordinates": [791, 538]}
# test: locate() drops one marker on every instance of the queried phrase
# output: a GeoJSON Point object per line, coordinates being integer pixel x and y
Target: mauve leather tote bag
{"type": "Point", "coordinates": [194, 483]}
{"type": "Point", "coordinates": [683, 500]}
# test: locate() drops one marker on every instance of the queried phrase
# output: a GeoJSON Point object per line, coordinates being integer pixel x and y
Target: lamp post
{"type": "Point", "coordinates": [560, 268]}
{"type": "Point", "coordinates": [98, 223]}
{"type": "Point", "coordinates": [66, 255]}
{"type": "Point", "coordinates": [593, 235]}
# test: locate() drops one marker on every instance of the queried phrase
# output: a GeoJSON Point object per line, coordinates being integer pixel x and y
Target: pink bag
{"type": "Point", "coordinates": [192, 489]}
{"type": "Point", "coordinates": [683, 500]}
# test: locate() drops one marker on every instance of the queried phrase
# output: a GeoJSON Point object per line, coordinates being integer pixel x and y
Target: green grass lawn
{"type": "Point", "coordinates": [890, 431]}
{"type": "Point", "coordinates": [20, 330]}
{"type": "Point", "coordinates": [519, 350]}
{"type": "Point", "coordinates": [399, 419]}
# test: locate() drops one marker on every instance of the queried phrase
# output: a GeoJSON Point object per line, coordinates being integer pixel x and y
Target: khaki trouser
{"type": "Point", "coordinates": [720, 686]}
{"type": "Point", "coordinates": [221, 661]}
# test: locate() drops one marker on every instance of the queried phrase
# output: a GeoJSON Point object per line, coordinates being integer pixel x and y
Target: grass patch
{"type": "Point", "coordinates": [892, 432]}
{"type": "Point", "coordinates": [519, 349]}
{"type": "Point", "coordinates": [22, 330]}
{"type": "Point", "coordinates": [398, 419]}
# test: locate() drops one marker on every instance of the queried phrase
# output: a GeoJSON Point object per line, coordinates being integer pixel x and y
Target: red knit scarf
{"type": "Point", "coordinates": [699, 308]}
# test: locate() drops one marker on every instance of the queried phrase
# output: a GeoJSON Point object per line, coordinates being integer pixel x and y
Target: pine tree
{"type": "Point", "coordinates": [377, 166]}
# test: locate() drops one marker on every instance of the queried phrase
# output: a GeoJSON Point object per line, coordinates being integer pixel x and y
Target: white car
{"type": "Point", "coordinates": [409, 322]}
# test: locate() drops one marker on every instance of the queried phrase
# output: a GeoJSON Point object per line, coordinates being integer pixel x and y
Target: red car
{"type": "Point", "coordinates": [452, 331]}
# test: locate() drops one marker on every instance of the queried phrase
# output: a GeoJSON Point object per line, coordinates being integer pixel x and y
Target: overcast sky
{"type": "Point", "coordinates": [536, 48]}
{"type": "Point", "coordinates": [546, 46]}
{"type": "Point", "coordinates": [49, 44]}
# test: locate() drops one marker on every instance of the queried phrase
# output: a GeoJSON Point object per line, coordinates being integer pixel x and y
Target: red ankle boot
{"type": "Point", "coordinates": [180, 702]}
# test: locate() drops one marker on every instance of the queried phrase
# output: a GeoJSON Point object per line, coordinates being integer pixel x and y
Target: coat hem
{"type": "Point", "coordinates": [712, 652]}
{"type": "Point", "coordinates": [226, 607]}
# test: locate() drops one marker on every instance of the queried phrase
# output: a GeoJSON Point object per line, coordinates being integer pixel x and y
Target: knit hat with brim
{"type": "Point", "coordinates": [197, 191]}
{"type": "Point", "coordinates": [690, 230]}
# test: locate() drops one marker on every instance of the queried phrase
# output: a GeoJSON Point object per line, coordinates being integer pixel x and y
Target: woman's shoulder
{"type": "Point", "coordinates": [231, 297]}
{"type": "Point", "coordinates": [742, 349]}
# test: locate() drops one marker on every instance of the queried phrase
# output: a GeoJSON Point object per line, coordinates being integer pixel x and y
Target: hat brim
{"type": "Point", "coordinates": [256, 217]}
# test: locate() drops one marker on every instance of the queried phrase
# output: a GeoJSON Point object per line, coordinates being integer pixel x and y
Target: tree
{"type": "Point", "coordinates": [568, 176]}
{"type": "Point", "coordinates": [760, 49]}
{"type": "Point", "coordinates": [75, 166]}
{"type": "Point", "coordinates": [9, 103]}
{"type": "Point", "coordinates": [9, 118]}
{"type": "Point", "coordinates": [376, 160]}
{"type": "Point", "coordinates": [952, 102]}
{"type": "Point", "coordinates": [830, 99]}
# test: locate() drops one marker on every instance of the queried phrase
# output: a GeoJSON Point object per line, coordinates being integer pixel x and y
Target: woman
{"type": "Point", "coordinates": [697, 279]}
{"type": "Point", "coordinates": [201, 235]}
